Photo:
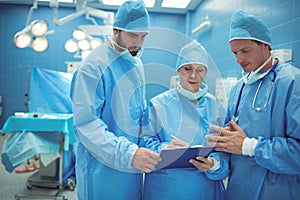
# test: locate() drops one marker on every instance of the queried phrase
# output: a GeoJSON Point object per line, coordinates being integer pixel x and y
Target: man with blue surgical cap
{"type": "Point", "coordinates": [108, 94]}
{"type": "Point", "coordinates": [186, 113]}
{"type": "Point", "coordinates": [263, 118]}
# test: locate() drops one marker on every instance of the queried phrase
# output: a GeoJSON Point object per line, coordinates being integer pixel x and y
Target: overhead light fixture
{"type": "Point", "coordinates": [175, 3]}
{"type": "Point", "coordinates": [71, 46]}
{"type": "Point", "coordinates": [62, 1]}
{"type": "Point", "coordinates": [40, 44]}
{"type": "Point", "coordinates": [39, 27]}
{"type": "Point", "coordinates": [113, 2]}
{"type": "Point", "coordinates": [82, 43]}
{"type": "Point", "coordinates": [33, 35]}
{"type": "Point", "coordinates": [22, 40]}
{"type": "Point", "coordinates": [79, 34]}
{"type": "Point", "coordinates": [148, 3]}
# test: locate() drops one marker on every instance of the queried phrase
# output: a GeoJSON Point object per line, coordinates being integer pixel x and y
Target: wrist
{"type": "Point", "coordinates": [216, 164]}
{"type": "Point", "coordinates": [249, 145]}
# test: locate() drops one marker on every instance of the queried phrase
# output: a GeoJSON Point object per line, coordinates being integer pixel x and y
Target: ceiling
{"type": "Point", "coordinates": [98, 4]}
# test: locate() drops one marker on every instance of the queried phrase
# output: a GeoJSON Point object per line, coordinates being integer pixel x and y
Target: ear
{"type": "Point", "coordinates": [116, 31]}
{"type": "Point", "coordinates": [267, 46]}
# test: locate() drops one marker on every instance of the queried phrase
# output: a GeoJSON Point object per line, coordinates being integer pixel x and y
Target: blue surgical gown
{"type": "Point", "coordinates": [108, 96]}
{"type": "Point", "coordinates": [174, 114]}
{"type": "Point", "coordinates": [274, 170]}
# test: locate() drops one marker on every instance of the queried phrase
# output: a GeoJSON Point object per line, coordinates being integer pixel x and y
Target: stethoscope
{"type": "Point", "coordinates": [235, 116]}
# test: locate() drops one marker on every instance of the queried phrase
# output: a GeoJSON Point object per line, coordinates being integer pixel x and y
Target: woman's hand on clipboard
{"type": "Point", "coordinates": [203, 164]}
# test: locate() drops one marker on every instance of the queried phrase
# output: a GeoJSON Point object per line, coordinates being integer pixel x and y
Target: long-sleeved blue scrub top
{"type": "Point", "coordinates": [274, 170]}
{"type": "Point", "coordinates": [174, 114]}
{"type": "Point", "coordinates": [108, 96]}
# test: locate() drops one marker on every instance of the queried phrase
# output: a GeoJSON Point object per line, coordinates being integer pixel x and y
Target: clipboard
{"type": "Point", "coordinates": [179, 157]}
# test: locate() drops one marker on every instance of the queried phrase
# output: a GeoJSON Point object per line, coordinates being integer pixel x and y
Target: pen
{"type": "Point", "coordinates": [179, 143]}
{"type": "Point", "coordinates": [174, 137]}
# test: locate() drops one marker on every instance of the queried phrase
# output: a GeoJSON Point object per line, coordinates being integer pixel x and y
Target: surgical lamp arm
{"type": "Point", "coordinates": [67, 18]}
{"type": "Point", "coordinates": [106, 16]}
{"type": "Point", "coordinates": [35, 5]}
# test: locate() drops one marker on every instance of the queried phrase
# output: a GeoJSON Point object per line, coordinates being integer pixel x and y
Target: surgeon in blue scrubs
{"type": "Point", "coordinates": [186, 113]}
{"type": "Point", "coordinates": [108, 94]}
{"type": "Point", "coordinates": [262, 130]}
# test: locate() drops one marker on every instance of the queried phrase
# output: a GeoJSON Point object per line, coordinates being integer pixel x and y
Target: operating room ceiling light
{"type": "Point", "coordinates": [39, 28]}
{"type": "Point", "coordinates": [40, 44]}
{"type": "Point", "coordinates": [33, 36]}
{"type": "Point", "coordinates": [79, 34]}
{"type": "Point", "coordinates": [175, 3]}
{"type": "Point", "coordinates": [71, 46]}
{"type": "Point", "coordinates": [34, 33]}
{"type": "Point", "coordinates": [82, 43]}
{"type": "Point", "coordinates": [148, 3]}
{"type": "Point", "coordinates": [62, 1]}
{"type": "Point", "coordinates": [22, 40]}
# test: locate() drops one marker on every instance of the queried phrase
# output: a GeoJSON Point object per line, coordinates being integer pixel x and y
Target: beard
{"type": "Point", "coordinates": [133, 50]}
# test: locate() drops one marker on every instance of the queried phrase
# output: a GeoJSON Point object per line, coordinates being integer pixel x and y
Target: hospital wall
{"type": "Point", "coordinates": [168, 34]}
{"type": "Point", "coordinates": [282, 17]}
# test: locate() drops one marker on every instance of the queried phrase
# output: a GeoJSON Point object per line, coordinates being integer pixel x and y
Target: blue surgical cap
{"type": "Point", "coordinates": [192, 53]}
{"type": "Point", "coordinates": [247, 26]}
{"type": "Point", "coordinates": [132, 16]}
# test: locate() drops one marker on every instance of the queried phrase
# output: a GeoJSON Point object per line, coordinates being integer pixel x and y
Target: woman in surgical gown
{"type": "Point", "coordinates": [186, 112]}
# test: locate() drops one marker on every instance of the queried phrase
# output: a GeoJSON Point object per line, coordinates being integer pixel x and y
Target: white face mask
{"type": "Point", "coordinates": [193, 96]}
{"type": "Point", "coordinates": [125, 54]}
{"type": "Point", "coordinates": [252, 77]}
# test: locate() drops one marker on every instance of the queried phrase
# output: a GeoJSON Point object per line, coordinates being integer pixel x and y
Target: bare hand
{"type": "Point", "coordinates": [229, 139]}
{"type": "Point", "coordinates": [203, 164]}
{"type": "Point", "coordinates": [177, 143]}
{"type": "Point", "coordinates": [145, 160]}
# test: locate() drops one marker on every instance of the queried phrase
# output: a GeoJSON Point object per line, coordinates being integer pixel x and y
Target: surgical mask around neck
{"type": "Point", "coordinates": [190, 95]}
{"type": "Point", "coordinates": [127, 55]}
{"type": "Point", "coordinates": [252, 77]}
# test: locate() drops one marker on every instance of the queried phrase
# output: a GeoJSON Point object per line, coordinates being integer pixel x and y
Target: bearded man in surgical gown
{"type": "Point", "coordinates": [108, 93]}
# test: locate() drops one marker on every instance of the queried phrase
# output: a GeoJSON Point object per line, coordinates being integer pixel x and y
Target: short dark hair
{"type": "Point", "coordinates": [259, 43]}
